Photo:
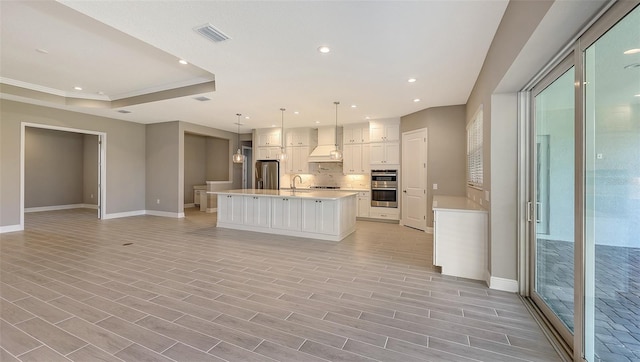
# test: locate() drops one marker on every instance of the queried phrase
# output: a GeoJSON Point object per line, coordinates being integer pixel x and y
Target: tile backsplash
{"type": "Point", "coordinates": [328, 174]}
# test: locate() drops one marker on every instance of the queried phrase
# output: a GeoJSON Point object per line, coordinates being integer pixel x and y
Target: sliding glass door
{"type": "Point", "coordinates": [612, 193]}
{"type": "Point", "coordinates": [584, 192]}
{"type": "Point", "coordinates": [553, 192]}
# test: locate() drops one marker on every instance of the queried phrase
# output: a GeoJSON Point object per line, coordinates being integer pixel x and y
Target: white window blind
{"type": "Point", "coordinates": [474, 151]}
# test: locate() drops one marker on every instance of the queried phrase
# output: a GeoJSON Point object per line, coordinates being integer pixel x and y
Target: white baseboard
{"type": "Point", "coordinates": [503, 284]}
{"type": "Point", "coordinates": [11, 228]}
{"type": "Point", "coordinates": [177, 215]}
{"type": "Point", "coordinates": [118, 215]}
{"type": "Point", "coordinates": [211, 209]}
{"type": "Point", "coordinates": [188, 206]}
{"type": "Point", "coordinates": [429, 230]}
{"type": "Point", "coordinates": [60, 207]}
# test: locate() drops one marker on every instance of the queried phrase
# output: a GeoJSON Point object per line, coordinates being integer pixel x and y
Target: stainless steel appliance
{"type": "Point", "coordinates": [384, 188]}
{"type": "Point", "coordinates": [268, 174]}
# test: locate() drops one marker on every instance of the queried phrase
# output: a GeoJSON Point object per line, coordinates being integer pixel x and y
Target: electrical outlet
{"type": "Point", "coordinates": [157, 201]}
{"type": "Point", "coordinates": [599, 156]}
{"type": "Point", "coordinates": [92, 196]}
{"type": "Point", "coordinates": [435, 186]}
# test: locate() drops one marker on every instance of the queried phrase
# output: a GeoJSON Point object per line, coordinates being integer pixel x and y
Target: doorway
{"type": "Point", "coordinates": [414, 179]}
{"type": "Point", "coordinates": [99, 142]}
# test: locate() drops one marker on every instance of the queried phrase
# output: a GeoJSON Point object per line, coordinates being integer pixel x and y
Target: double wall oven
{"type": "Point", "coordinates": [384, 188]}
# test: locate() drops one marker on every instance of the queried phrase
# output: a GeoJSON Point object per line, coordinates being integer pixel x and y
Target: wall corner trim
{"type": "Point", "coordinates": [503, 284]}
{"type": "Point", "coordinates": [11, 228]}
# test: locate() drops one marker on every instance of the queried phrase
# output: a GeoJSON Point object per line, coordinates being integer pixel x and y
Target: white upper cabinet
{"type": "Point", "coordinates": [384, 131]}
{"type": "Point", "coordinates": [301, 137]}
{"type": "Point", "coordinates": [356, 159]}
{"type": "Point", "coordinates": [268, 153]}
{"type": "Point", "coordinates": [297, 159]}
{"type": "Point", "coordinates": [268, 137]}
{"type": "Point", "coordinates": [355, 133]}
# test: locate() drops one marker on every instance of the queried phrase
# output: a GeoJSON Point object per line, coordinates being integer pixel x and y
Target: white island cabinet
{"type": "Point", "coordinates": [326, 215]}
{"type": "Point", "coordinates": [460, 237]}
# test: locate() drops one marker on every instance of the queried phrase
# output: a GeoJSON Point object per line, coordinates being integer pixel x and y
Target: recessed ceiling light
{"type": "Point", "coordinates": [324, 49]}
{"type": "Point", "coordinates": [296, 112]}
{"type": "Point", "coordinates": [43, 51]}
{"type": "Point", "coordinates": [411, 80]}
{"type": "Point", "coordinates": [632, 51]}
{"type": "Point", "coordinates": [637, 95]}
{"type": "Point", "coordinates": [101, 93]}
{"type": "Point", "coordinates": [417, 100]}
{"type": "Point", "coordinates": [354, 106]}
{"type": "Point", "coordinates": [77, 88]}
{"type": "Point", "coordinates": [183, 62]}
{"type": "Point", "coordinates": [273, 125]}
{"type": "Point", "coordinates": [367, 117]}
{"type": "Point", "coordinates": [247, 117]}
{"type": "Point", "coordinates": [317, 122]}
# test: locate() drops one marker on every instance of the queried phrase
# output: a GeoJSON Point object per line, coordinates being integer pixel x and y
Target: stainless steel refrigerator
{"type": "Point", "coordinates": [268, 174]}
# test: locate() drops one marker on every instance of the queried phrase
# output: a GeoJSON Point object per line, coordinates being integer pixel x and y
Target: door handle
{"type": "Point", "coordinates": [405, 191]}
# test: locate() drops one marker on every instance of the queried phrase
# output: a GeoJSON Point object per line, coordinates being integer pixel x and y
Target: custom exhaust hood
{"type": "Point", "coordinates": [326, 144]}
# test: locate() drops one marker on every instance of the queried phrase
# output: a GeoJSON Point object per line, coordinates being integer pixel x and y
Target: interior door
{"type": "Point", "coordinates": [414, 179]}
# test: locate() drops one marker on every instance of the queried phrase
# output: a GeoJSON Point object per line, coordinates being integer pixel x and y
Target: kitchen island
{"type": "Point", "coordinates": [326, 215]}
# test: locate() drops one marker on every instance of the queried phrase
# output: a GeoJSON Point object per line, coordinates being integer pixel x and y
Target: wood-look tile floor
{"type": "Point", "coordinates": [149, 288]}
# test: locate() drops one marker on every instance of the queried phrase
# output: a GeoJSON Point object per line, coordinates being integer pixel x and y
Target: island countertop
{"type": "Point", "coordinates": [301, 193]}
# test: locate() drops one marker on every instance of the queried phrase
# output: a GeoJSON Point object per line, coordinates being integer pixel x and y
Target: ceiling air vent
{"type": "Point", "coordinates": [211, 33]}
{"type": "Point", "coordinates": [202, 99]}
{"type": "Point", "coordinates": [124, 111]}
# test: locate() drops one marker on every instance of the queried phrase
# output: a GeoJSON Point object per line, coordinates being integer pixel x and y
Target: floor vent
{"type": "Point", "coordinates": [211, 33]}
{"type": "Point", "coordinates": [202, 99]}
{"type": "Point", "coordinates": [124, 111]}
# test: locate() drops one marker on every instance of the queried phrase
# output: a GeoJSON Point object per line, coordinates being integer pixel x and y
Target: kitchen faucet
{"type": "Point", "coordinates": [294, 181]}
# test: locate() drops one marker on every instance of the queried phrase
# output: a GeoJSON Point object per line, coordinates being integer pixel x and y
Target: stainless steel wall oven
{"type": "Point", "coordinates": [384, 188]}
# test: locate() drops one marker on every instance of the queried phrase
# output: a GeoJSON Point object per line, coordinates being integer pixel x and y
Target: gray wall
{"type": "Point", "coordinates": [90, 169]}
{"type": "Point", "coordinates": [218, 158]}
{"type": "Point", "coordinates": [125, 158]}
{"type": "Point", "coordinates": [53, 168]}
{"type": "Point", "coordinates": [446, 145]}
{"type": "Point", "coordinates": [163, 192]}
{"type": "Point", "coordinates": [195, 160]}
{"type": "Point", "coordinates": [500, 164]}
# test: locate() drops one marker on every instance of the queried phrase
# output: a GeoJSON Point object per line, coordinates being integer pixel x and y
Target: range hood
{"type": "Point", "coordinates": [326, 144]}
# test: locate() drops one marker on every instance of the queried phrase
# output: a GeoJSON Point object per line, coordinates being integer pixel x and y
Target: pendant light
{"type": "Point", "coordinates": [238, 157]}
{"type": "Point", "coordinates": [336, 154]}
{"type": "Point", "coordinates": [283, 153]}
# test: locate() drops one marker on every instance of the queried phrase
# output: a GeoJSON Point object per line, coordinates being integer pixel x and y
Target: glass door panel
{"type": "Point", "coordinates": [612, 193]}
{"type": "Point", "coordinates": [554, 201]}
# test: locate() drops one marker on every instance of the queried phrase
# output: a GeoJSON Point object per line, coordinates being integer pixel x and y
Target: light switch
{"type": "Point", "coordinates": [435, 186]}
{"type": "Point", "coordinates": [599, 156]}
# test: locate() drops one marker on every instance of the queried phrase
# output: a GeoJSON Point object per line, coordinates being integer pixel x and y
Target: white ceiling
{"type": "Point", "coordinates": [128, 48]}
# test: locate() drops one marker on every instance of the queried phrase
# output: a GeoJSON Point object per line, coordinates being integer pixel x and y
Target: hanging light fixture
{"type": "Point", "coordinates": [238, 157]}
{"type": "Point", "coordinates": [283, 153]}
{"type": "Point", "coordinates": [336, 154]}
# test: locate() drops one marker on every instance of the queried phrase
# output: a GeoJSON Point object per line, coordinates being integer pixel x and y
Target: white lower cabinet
{"type": "Point", "coordinates": [233, 206]}
{"type": "Point", "coordinates": [319, 216]}
{"type": "Point", "coordinates": [285, 213]}
{"type": "Point", "coordinates": [257, 211]}
{"type": "Point", "coordinates": [364, 204]}
{"type": "Point", "coordinates": [389, 213]}
{"type": "Point", "coordinates": [460, 237]}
